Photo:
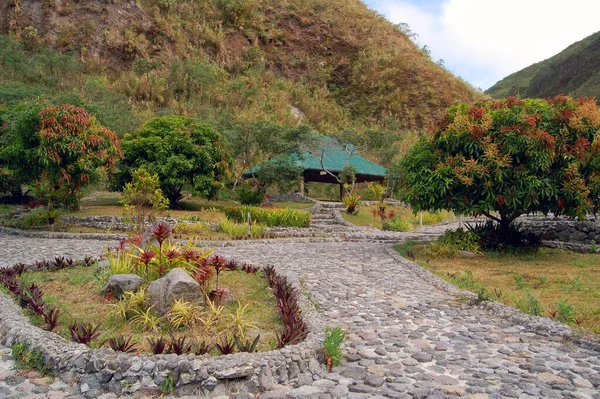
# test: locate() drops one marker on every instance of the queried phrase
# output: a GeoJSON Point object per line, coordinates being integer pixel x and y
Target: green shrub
{"type": "Point", "coordinates": [396, 224]}
{"type": "Point", "coordinates": [438, 249]}
{"type": "Point", "coordinates": [40, 217]}
{"type": "Point", "coordinates": [240, 230]}
{"type": "Point", "coordinates": [248, 195]}
{"type": "Point", "coordinates": [451, 242]}
{"type": "Point", "coordinates": [272, 217]}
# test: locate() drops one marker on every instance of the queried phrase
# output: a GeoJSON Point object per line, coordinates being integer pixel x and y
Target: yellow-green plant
{"type": "Point", "coordinates": [239, 320]}
{"type": "Point", "coordinates": [183, 313]}
{"type": "Point", "coordinates": [131, 303]}
{"type": "Point", "coordinates": [212, 315]}
{"type": "Point", "coordinates": [273, 217]}
{"type": "Point", "coordinates": [351, 203]}
{"type": "Point", "coordinates": [121, 262]}
{"type": "Point", "coordinates": [240, 230]}
{"type": "Point", "coordinates": [377, 190]}
{"type": "Point", "coordinates": [146, 319]}
{"type": "Point", "coordinates": [396, 224]}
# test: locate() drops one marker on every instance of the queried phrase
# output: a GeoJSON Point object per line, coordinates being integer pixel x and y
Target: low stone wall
{"type": "Point", "coordinates": [107, 222]}
{"type": "Point", "coordinates": [564, 233]}
{"type": "Point", "coordinates": [98, 370]}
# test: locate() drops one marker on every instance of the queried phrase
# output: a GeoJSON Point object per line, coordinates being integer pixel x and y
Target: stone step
{"type": "Point", "coordinates": [324, 222]}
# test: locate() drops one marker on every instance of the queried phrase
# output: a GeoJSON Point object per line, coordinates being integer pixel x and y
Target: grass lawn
{"type": "Point", "coordinates": [76, 292]}
{"type": "Point", "coordinates": [552, 278]}
{"type": "Point", "coordinates": [365, 216]}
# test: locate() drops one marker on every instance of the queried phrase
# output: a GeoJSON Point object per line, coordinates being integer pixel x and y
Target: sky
{"type": "Point", "coordinates": [483, 41]}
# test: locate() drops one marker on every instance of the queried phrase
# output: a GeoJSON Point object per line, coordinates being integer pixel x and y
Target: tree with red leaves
{"type": "Point", "coordinates": [73, 148]}
{"type": "Point", "coordinates": [506, 158]}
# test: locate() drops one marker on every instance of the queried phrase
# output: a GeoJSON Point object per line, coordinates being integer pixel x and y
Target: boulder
{"type": "Point", "coordinates": [175, 285]}
{"type": "Point", "coordinates": [119, 283]}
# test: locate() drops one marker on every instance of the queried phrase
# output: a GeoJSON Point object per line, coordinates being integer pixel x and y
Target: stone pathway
{"type": "Point", "coordinates": [408, 336]}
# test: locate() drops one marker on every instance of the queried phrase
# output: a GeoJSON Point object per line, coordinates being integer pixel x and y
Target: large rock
{"type": "Point", "coordinates": [119, 283]}
{"type": "Point", "coordinates": [176, 284]}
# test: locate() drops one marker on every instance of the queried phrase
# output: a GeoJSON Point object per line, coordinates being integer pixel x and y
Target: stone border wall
{"type": "Point", "coordinates": [97, 370]}
{"type": "Point", "coordinates": [564, 233]}
{"type": "Point", "coordinates": [294, 197]}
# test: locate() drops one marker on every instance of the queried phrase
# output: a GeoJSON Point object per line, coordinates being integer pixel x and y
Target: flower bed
{"type": "Point", "coordinates": [189, 368]}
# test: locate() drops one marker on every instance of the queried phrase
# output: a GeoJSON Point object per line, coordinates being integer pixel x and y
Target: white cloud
{"type": "Point", "coordinates": [486, 40]}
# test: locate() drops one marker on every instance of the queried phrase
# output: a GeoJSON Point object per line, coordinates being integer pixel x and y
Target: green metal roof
{"type": "Point", "coordinates": [335, 157]}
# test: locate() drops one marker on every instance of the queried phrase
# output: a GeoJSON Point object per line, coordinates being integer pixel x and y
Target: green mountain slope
{"type": "Point", "coordinates": [333, 64]}
{"type": "Point", "coordinates": [575, 71]}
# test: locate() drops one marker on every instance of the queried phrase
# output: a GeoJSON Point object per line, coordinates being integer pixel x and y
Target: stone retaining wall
{"type": "Point", "coordinates": [107, 222]}
{"type": "Point", "coordinates": [97, 370]}
{"type": "Point", "coordinates": [563, 233]}
{"type": "Point", "coordinates": [294, 197]}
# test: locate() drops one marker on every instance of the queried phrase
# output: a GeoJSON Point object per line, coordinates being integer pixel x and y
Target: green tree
{"type": "Point", "coordinates": [505, 158]}
{"type": "Point", "coordinates": [73, 147]}
{"type": "Point", "coordinates": [181, 152]}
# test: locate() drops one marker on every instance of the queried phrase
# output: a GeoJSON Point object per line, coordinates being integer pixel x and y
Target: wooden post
{"type": "Point", "coordinates": [249, 225]}
{"type": "Point", "coordinates": [420, 219]}
{"type": "Point", "coordinates": [301, 185]}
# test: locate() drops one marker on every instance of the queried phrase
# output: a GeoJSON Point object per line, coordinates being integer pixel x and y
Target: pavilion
{"type": "Point", "coordinates": [335, 157]}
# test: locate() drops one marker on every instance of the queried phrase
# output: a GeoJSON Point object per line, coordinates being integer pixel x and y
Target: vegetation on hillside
{"type": "Point", "coordinates": [574, 71]}
{"type": "Point", "coordinates": [334, 65]}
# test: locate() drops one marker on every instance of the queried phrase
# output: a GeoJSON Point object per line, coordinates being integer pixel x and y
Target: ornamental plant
{"type": "Point", "coordinates": [506, 158]}
{"type": "Point", "coordinates": [142, 198]}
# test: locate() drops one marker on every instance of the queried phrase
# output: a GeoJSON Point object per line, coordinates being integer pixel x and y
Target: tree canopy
{"type": "Point", "coordinates": [506, 158]}
{"type": "Point", "coordinates": [181, 152]}
{"type": "Point", "coordinates": [57, 150]}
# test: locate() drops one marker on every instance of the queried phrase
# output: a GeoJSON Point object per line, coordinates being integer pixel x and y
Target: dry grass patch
{"type": "Point", "coordinates": [76, 292]}
{"type": "Point", "coordinates": [550, 276]}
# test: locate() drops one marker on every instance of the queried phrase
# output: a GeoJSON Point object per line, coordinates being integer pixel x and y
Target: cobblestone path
{"type": "Point", "coordinates": [408, 336]}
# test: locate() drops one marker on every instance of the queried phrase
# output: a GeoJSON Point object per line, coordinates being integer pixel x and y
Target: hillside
{"type": "Point", "coordinates": [333, 64]}
{"type": "Point", "coordinates": [575, 71]}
